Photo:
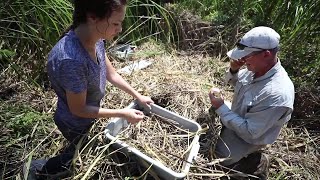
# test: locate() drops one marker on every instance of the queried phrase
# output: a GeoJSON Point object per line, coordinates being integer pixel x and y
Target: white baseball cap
{"type": "Point", "coordinates": [257, 39]}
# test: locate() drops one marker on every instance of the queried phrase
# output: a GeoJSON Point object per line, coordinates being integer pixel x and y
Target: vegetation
{"type": "Point", "coordinates": [209, 27]}
{"type": "Point", "coordinates": [294, 20]}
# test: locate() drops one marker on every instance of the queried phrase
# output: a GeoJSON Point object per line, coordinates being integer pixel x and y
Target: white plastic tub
{"type": "Point", "coordinates": [117, 124]}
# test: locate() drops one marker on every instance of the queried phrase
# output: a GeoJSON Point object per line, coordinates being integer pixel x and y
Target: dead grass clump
{"type": "Point", "coordinates": [196, 35]}
{"type": "Point", "coordinates": [161, 139]}
{"type": "Point", "coordinates": [307, 104]}
{"type": "Point", "coordinates": [295, 155]}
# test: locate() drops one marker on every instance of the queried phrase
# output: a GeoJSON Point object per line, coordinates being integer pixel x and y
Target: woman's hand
{"type": "Point", "coordinates": [132, 115]}
{"type": "Point", "coordinates": [145, 100]}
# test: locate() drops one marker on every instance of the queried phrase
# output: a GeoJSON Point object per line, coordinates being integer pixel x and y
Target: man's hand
{"type": "Point", "coordinates": [216, 98]}
{"type": "Point", "coordinates": [235, 65]}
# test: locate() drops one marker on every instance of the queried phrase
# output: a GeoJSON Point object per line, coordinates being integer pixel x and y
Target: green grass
{"type": "Point", "coordinates": [146, 19]}
{"type": "Point", "coordinates": [29, 30]}
{"type": "Point", "coordinates": [21, 119]}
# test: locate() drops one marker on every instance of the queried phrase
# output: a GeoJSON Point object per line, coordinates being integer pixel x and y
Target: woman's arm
{"type": "Point", "coordinates": [114, 78]}
{"type": "Point", "coordinates": [78, 107]}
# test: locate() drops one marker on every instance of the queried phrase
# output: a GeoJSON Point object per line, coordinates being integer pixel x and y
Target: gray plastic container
{"type": "Point", "coordinates": [115, 125]}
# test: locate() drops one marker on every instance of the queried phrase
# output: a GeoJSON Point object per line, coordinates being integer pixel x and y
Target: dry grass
{"type": "Point", "coordinates": [178, 82]}
{"type": "Point", "coordinates": [161, 139]}
{"type": "Point", "coordinates": [295, 155]}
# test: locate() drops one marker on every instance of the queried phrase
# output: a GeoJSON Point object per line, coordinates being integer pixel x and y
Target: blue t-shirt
{"type": "Point", "coordinates": [71, 68]}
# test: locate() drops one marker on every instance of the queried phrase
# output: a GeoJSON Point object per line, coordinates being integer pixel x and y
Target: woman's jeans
{"type": "Point", "coordinates": [62, 162]}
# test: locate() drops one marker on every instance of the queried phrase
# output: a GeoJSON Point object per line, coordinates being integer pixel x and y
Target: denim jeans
{"type": "Point", "coordinates": [62, 162]}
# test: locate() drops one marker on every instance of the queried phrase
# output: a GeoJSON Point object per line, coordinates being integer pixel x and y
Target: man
{"type": "Point", "coordinates": [262, 102]}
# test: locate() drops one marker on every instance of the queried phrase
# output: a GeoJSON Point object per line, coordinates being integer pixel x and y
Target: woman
{"type": "Point", "coordinates": [78, 70]}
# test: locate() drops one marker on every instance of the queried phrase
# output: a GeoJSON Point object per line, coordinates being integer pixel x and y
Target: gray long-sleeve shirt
{"type": "Point", "coordinates": [260, 106]}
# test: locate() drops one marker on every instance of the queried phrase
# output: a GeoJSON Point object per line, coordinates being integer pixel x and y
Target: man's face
{"type": "Point", "coordinates": [112, 26]}
{"type": "Point", "coordinates": [255, 61]}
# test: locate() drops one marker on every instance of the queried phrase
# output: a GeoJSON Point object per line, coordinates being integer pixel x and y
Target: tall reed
{"type": "Point", "coordinates": [31, 29]}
